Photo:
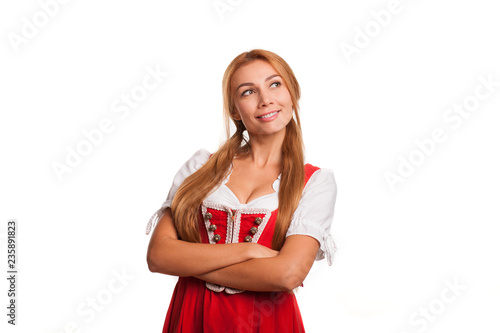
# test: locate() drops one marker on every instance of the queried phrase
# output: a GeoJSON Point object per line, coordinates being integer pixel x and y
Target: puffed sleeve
{"type": "Point", "coordinates": [194, 163]}
{"type": "Point", "coordinates": [314, 214]}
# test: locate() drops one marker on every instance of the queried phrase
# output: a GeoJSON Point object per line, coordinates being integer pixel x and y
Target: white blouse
{"type": "Point", "coordinates": [313, 216]}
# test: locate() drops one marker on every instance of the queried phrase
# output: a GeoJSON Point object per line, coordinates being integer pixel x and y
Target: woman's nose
{"type": "Point", "coordinates": [265, 98]}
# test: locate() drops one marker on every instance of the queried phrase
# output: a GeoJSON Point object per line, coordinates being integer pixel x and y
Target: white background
{"type": "Point", "coordinates": [399, 249]}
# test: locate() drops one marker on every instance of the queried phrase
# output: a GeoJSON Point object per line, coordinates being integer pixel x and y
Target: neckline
{"type": "Point", "coordinates": [275, 186]}
{"type": "Point", "coordinates": [251, 201]}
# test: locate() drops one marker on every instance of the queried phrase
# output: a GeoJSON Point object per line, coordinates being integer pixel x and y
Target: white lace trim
{"type": "Point", "coordinates": [261, 227]}
{"type": "Point", "coordinates": [218, 288]}
{"type": "Point", "coordinates": [214, 287]}
{"type": "Point", "coordinates": [157, 215]}
{"type": "Point", "coordinates": [235, 227]}
{"type": "Point", "coordinates": [204, 206]}
{"type": "Point", "coordinates": [331, 249]}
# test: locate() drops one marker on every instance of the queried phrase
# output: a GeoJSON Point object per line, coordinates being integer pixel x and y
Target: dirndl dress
{"type": "Point", "coordinates": [197, 306]}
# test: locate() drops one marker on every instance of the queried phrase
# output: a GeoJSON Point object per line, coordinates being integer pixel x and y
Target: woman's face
{"type": "Point", "coordinates": [262, 100]}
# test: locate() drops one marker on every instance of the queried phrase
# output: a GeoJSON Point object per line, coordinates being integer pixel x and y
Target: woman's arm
{"type": "Point", "coordinates": [284, 272]}
{"type": "Point", "coordinates": [169, 255]}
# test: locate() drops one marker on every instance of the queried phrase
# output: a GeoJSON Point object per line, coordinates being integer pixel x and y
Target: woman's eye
{"type": "Point", "coordinates": [276, 84]}
{"type": "Point", "coordinates": [247, 92]}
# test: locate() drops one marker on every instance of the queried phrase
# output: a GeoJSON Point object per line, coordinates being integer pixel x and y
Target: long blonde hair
{"type": "Point", "coordinates": [196, 187]}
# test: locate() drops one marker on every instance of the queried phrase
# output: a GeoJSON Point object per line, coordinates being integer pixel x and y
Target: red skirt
{"type": "Point", "coordinates": [196, 309]}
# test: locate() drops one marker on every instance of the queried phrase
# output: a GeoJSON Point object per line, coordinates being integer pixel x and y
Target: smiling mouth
{"type": "Point", "coordinates": [268, 115]}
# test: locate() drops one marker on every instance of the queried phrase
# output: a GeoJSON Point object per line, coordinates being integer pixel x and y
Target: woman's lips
{"type": "Point", "coordinates": [269, 116]}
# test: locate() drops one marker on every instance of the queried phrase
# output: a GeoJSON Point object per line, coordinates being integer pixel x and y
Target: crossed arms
{"type": "Point", "coordinates": [248, 266]}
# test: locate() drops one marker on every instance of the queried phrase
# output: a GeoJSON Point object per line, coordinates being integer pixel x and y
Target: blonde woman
{"type": "Point", "coordinates": [242, 227]}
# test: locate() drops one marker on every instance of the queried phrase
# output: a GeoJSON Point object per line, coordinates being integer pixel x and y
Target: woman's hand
{"type": "Point", "coordinates": [258, 251]}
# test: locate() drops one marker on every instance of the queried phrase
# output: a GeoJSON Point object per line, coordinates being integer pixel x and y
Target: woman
{"type": "Point", "coordinates": [237, 256]}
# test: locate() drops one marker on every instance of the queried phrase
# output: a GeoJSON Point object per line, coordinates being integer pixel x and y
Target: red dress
{"type": "Point", "coordinates": [197, 306]}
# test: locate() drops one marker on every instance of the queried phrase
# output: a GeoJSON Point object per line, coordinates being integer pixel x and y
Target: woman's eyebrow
{"type": "Point", "coordinates": [270, 77]}
{"type": "Point", "coordinates": [251, 84]}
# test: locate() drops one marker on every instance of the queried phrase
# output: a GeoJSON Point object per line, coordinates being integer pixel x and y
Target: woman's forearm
{"type": "Point", "coordinates": [176, 257]}
{"type": "Point", "coordinates": [169, 255]}
{"type": "Point", "coordinates": [266, 274]}
{"type": "Point", "coordinates": [283, 272]}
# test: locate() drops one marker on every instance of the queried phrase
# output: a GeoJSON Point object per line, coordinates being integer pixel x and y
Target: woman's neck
{"type": "Point", "coordinates": [265, 150]}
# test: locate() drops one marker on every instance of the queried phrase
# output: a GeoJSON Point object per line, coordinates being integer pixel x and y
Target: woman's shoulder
{"type": "Point", "coordinates": [199, 157]}
{"type": "Point", "coordinates": [319, 181]}
{"type": "Point", "coordinates": [201, 153]}
{"type": "Point", "coordinates": [193, 163]}
{"type": "Point", "coordinates": [316, 174]}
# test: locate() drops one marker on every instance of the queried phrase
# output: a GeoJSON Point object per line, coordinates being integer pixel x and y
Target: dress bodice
{"type": "Point", "coordinates": [224, 225]}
